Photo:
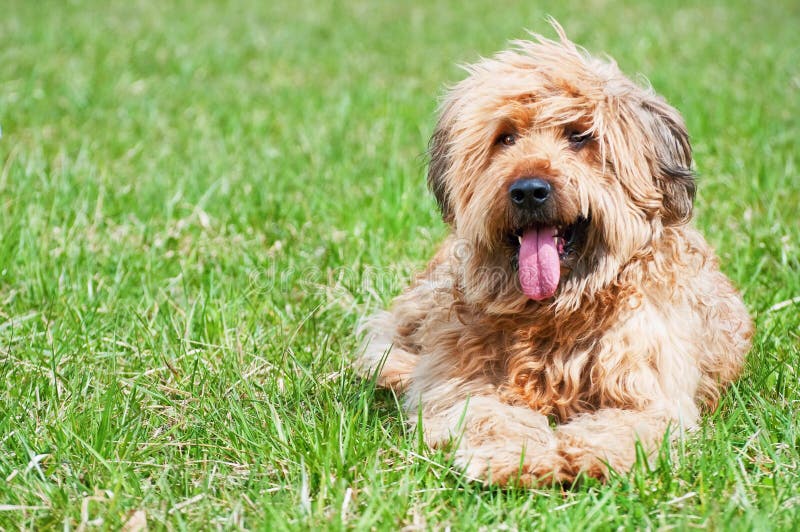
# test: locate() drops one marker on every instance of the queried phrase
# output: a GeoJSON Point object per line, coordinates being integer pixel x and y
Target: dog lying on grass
{"type": "Point", "coordinates": [573, 310]}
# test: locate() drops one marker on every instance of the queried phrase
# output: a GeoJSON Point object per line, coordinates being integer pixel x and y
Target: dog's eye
{"type": "Point", "coordinates": [506, 139]}
{"type": "Point", "coordinates": [578, 139]}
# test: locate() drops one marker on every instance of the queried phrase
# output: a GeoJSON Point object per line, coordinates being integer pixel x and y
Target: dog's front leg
{"type": "Point", "coordinates": [494, 441]}
{"type": "Point", "coordinates": [592, 443]}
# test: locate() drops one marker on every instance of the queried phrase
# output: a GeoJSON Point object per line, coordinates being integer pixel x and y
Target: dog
{"type": "Point", "coordinates": [573, 315]}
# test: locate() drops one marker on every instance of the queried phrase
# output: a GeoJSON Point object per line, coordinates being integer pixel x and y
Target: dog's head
{"type": "Point", "coordinates": [555, 166]}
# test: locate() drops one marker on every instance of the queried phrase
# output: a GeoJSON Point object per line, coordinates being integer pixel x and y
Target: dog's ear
{"type": "Point", "coordinates": [439, 155]}
{"type": "Point", "coordinates": [673, 161]}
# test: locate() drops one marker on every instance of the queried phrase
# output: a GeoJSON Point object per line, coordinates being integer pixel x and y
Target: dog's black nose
{"type": "Point", "coordinates": [529, 192]}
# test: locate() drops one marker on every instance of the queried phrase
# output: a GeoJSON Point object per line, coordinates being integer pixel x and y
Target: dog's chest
{"type": "Point", "coordinates": [562, 378]}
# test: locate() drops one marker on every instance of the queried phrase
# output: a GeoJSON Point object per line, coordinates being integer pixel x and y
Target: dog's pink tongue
{"type": "Point", "coordinates": [539, 268]}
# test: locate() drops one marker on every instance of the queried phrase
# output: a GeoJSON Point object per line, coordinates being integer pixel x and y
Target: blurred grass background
{"type": "Point", "coordinates": [198, 200]}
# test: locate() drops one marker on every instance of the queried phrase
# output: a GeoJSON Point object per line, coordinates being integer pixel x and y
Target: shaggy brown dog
{"type": "Point", "coordinates": [572, 289]}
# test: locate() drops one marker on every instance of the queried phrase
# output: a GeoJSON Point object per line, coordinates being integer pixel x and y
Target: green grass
{"type": "Point", "coordinates": [199, 199]}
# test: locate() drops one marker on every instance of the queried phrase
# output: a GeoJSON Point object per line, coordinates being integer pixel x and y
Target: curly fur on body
{"type": "Point", "coordinates": [642, 331]}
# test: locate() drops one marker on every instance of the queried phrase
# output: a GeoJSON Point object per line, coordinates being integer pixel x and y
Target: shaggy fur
{"type": "Point", "coordinates": [643, 331]}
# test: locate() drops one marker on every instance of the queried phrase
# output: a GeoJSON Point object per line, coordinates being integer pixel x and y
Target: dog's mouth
{"type": "Point", "coordinates": [541, 252]}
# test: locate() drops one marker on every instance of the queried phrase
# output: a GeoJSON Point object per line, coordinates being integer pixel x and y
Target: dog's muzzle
{"type": "Point", "coordinates": [538, 258]}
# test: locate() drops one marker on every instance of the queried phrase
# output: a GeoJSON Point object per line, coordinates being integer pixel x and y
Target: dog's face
{"type": "Point", "coordinates": [557, 168]}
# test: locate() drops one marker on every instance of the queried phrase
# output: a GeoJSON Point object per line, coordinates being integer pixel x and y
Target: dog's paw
{"type": "Point", "coordinates": [502, 465]}
{"type": "Point", "coordinates": [592, 460]}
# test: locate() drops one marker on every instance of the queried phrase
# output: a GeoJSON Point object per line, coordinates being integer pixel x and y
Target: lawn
{"type": "Point", "coordinates": [199, 199]}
